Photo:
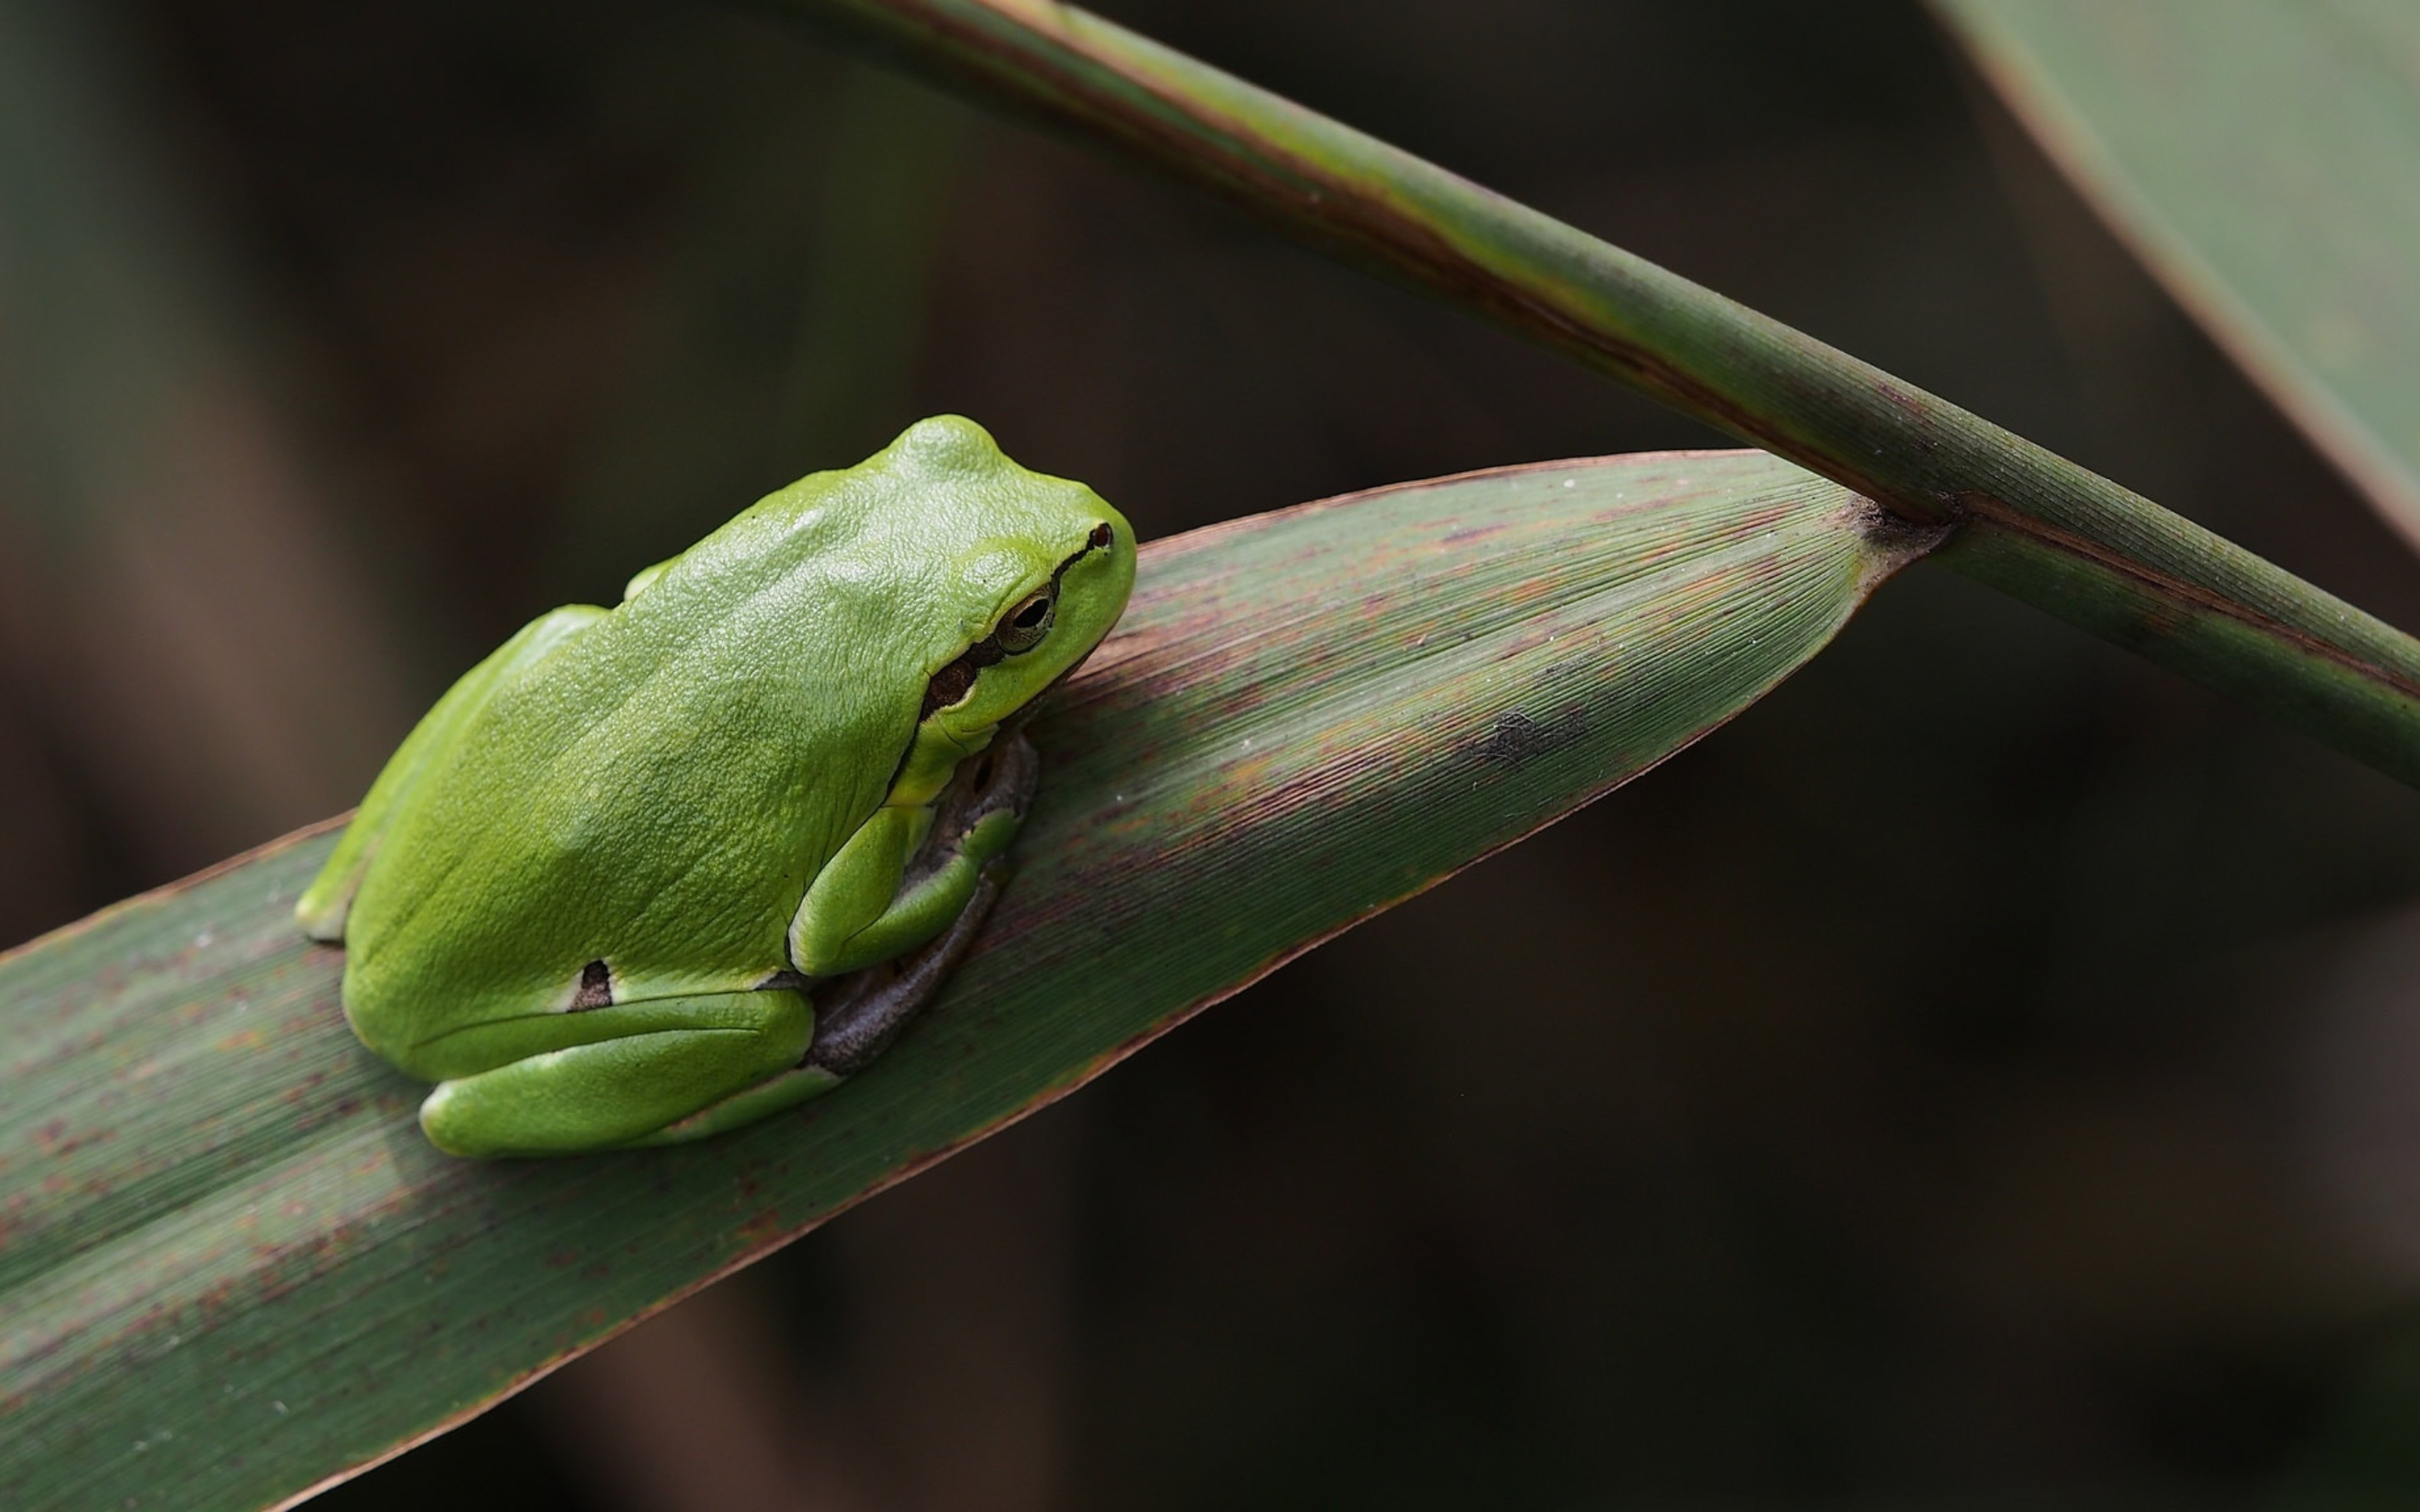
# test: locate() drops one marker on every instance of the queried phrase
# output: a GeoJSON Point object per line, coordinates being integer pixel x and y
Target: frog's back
{"type": "Point", "coordinates": [658, 791]}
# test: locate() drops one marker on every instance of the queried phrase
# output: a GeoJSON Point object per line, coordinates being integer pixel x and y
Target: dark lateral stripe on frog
{"type": "Point", "coordinates": [951, 683]}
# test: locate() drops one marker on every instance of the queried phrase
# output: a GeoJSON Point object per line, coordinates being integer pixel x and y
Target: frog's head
{"type": "Point", "coordinates": [1043, 572]}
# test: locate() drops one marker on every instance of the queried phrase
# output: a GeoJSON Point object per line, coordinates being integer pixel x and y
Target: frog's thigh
{"type": "Point", "coordinates": [613, 1091]}
{"type": "Point", "coordinates": [323, 906]}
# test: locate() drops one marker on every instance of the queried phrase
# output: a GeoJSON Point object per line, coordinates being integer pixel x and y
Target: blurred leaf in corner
{"type": "Point", "coordinates": [2264, 160]}
{"type": "Point", "coordinates": [172, 598]}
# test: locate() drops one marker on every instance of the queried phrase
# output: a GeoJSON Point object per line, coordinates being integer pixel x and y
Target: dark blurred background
{"type": "Point", "coordinates": [1981, 1077]}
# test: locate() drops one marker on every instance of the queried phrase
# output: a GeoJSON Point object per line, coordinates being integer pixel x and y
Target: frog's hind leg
{"type": "Point", "coordinates": [666, 1062]}
{"type": "Point", "coordinates": [323, 906]}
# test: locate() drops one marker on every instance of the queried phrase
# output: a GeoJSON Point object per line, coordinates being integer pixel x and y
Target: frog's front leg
{"type": "Point", "coordinates": [653, 1064]}
{"type": "Point", "coordinates": [907, 879]}
{"type": "Point", "coordinates": [910, 873]}
{"type": "Point", "coordinates": [887, 919]}
{"type": "Point", "coordinates": [861, 1013]}
{"type": "Point", "coordinates": [856, 1019]}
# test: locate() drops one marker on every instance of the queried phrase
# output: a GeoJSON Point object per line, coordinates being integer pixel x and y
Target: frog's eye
{"type": "Point", "coordinates": [1022, 627]}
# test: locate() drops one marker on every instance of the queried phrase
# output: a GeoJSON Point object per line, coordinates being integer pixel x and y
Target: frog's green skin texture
{"type": "Point", "coordinates": [723, 788]}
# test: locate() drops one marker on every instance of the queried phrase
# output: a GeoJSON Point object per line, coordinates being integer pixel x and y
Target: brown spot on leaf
{"type": "Point", "coordinates": [1517, 738]}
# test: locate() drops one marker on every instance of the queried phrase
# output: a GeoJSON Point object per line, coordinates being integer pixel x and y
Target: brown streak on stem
{"type": "Point", "coordinates": [1982, 506]}
{"type": "Point", "coordinates": [1912, 454]}
{"type": "Point", "coordinates": [1268, 182]}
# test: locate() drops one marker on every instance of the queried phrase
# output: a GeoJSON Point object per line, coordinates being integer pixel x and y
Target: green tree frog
{"type": "Point", "coordinates": [651, 871]}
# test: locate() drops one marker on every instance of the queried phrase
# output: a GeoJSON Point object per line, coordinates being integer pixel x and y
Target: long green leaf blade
{"type": "Point", "coordinates": [2032, 523]}
{"type": "Point", "coordinates": [230, 1268]}
{"type": "Point", "coordinates": [2264, 160]}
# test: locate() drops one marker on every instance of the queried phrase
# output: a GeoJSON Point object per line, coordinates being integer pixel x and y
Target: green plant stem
{"type": "Point", "coordinates": [2028, 521]}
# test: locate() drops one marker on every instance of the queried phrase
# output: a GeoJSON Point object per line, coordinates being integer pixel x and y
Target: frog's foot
{"type": "Point", "coordinates": [767, 1097]}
